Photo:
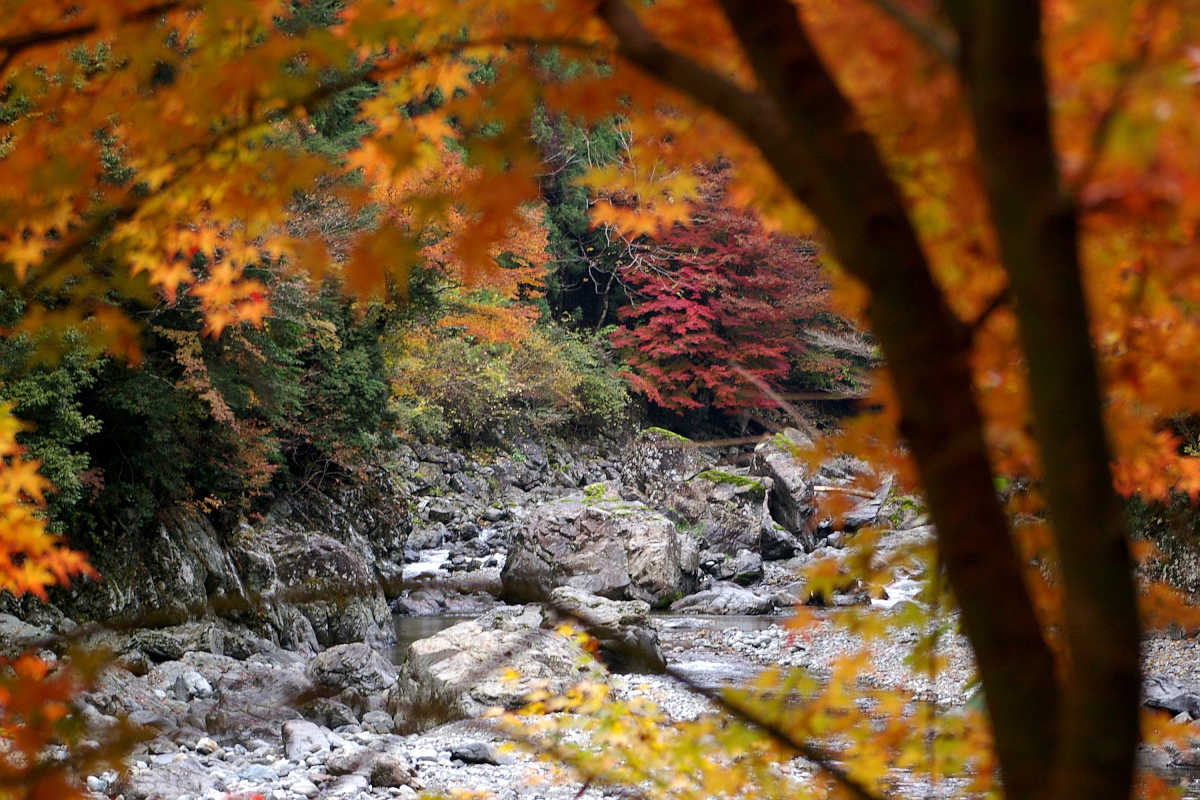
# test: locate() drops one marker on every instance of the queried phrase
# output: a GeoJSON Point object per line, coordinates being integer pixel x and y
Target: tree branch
{"type": "Point", "coordinates": [752, 112]}
{"type": "Point", "coordinates": [1099, 142]}
{"type": "Point", "coordinates": [997, 301]}
{"type": "Point", "coordinates": [15, 44]}
{"type": "Point", "coordinates": [937, 38]}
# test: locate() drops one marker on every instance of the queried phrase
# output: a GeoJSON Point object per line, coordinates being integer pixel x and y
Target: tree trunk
{"type": "Point", "coordinates": [1037, 231]}
{"type": "Point", "coordinates": [805, 129]}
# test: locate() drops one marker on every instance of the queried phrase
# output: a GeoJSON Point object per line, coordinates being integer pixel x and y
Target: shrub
{"type": "Point", "coordinates": [47, 396]}
{"type": "Point", "coordinates": [446, 386]}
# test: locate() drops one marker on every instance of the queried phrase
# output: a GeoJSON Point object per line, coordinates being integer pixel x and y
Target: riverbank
{"type": "Point", "coordinates": [223, 726]}
{"type": "Point", "coordinates": [280, 668]}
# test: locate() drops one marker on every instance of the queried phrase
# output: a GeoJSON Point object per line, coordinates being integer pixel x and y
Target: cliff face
{"type": "Point", "coordinates": [310, 573]}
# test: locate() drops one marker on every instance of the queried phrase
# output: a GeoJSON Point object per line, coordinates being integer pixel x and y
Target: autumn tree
{"type": "Point", "coordinates": [1007, 188]}
{"type": "Point", "coordinates": [720, 306]}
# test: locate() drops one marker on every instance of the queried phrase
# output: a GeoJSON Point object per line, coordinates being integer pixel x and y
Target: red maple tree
{"type": "Point", "coordinates": [720, 305]}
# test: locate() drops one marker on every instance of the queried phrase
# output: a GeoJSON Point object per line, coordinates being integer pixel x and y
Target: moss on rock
{"type": "Point", "coordinates": [756, 488]}
{"type": "Point", "coordinates": [664, 433]}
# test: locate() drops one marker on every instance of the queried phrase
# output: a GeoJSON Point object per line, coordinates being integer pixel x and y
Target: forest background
{"type": "Point", "coordinates": [495, 206]}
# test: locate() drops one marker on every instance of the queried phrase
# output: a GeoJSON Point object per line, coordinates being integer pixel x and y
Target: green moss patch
{"type": "Point", "coordinates": [756, 487]}
{"type": "Point", "coordinates": [664, 433]}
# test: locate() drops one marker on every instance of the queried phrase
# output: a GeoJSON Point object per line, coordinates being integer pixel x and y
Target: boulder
{"type": "Point", "coordinates": [725, 509]}
{"type": "Point", "coordinates": [328, 712]}
{"type": "Point", "coordinates": [302, 738]}
{"type": "Point", "coordinates": [601, 545]}
{"type": "Point", "coordinates": [334, 589]}
{"type": "Point", "coordinates": [495, 660]}
{"type": "Point", "coordinates": [189, 684]}
{"type": "Point", "coordinates": [184, 775]}
{"type": "Point", "coordinates": [17, 635]}
{"type": "Point", "coordinates": [724, 598]}
{"type": "Point", "coordinates": [744, 568]}
{"type": "Point", "coordinates": [792, 501]}
{"type": "Point", "coordinates": [372, 516]}
{"type": "Point", "coordinates": [441, 509]}
{"type": "Point", "coordinates": [353, 674]}
{"type": "Point", "coordinates": [907, 549]}
{"type": "Point", "coordinates": [627, 637]}
{"type": "Point", "coordinates": [776, 543]}
{"type": "Point", "coordinates": [392, 770]}
{"type": "Point", "coordinates": [867, 512]}
{"type": "Point", "coordinates": [1171, 695]}
{"type": "Point", "coordinates": [658, 460]}
{"type": "Point", "coordinates": [350, 759]}
{"type": "Point", "coordinates": [476, 753]}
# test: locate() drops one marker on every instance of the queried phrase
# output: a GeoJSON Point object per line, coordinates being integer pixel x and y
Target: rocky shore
{"type": "Point", "coordinates": [263, 660]}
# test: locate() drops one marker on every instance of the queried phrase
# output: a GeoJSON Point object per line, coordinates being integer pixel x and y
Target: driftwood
{"type": "Point", "coordinates": [844, 490]}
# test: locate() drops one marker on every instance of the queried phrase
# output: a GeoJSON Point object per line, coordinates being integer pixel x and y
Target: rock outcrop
{"type": "Point", "coordinates": [333, 551]}
{"type": "Point", "coordinates": [725, 510]}
{"type": "Point", "coordinates": [495, 660]}
{"type": "Point", "coordinates": [606, 546]}
{"type": "Point", "coordinates": [627, 636]}
{"type": "Point", "coordinates": [724, 598]}
{"type": "Point", "coordinates": [792, 501]}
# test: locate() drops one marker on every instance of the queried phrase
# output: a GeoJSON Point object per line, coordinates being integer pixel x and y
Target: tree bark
{"type": "Point", "coordinates": [806, 130]}
{"type": "Point", "coordinates": [1036, 227]}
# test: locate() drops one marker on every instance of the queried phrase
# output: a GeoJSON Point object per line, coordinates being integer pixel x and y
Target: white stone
{"type": "Point", "coordinates": [302, 738]}
{"type": "Point", "coordinates": [207, 746]}
{"type": "Point", "coordinates": [305, 787]}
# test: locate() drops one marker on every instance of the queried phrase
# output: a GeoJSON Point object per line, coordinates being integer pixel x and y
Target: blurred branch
{"type": "Point", "coordinates": [937, 38]}
{"type": "Point", "coordinates": [14, 44]}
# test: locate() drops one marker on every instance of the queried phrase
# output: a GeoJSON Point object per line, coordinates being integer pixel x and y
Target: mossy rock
{"type": "Point", "coordinates": [653, 431]}
{"type": "Point", "coordinates": [756, 488]}
{"type": "Point", "coordinates": [594, 492]}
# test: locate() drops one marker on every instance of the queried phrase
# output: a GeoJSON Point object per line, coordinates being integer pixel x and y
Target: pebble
{"type": "Point", "coordinates": [207, 746]}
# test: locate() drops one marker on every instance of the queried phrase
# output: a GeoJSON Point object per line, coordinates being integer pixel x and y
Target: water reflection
{"type": "Point", "coordinates": [410, 629]}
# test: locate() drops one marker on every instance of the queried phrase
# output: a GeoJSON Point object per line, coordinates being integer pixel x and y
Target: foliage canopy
{"type": "Point", "coordinates": [1016, 223]}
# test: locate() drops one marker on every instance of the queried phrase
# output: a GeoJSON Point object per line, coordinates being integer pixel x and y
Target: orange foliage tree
{"type": "Point", "coordinates": [1008, 187]}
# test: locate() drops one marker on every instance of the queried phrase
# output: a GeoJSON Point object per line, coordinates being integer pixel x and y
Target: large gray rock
{"type": "Point", "coordinates": [183, 775]}
{"type": "Point", "coordinates": [867, 512]}
{"type": "Point", "coordinates": [777, 543]}
{"type": "Point", "coordinates": [726, 510]}
{"type": "Point", "coordinates": [161, 576]}
{"type": "Point", "coordinates": [792, 501]}
{"type": "Point", "coordinates": [17, 635]}
{"type": "Point", "coordinates": [1171, 695]}
{"type": "Point", "coordinates": [495, 660]}
{"type": "Point", "coordinates": [372, 517]}
{"type": "Point", "coordinates": [352, 674]}
{"type": "Point", "coordinates": [724, 598]}
{"type": "Point", "coordinates": [302, 738]}
{"type": "Point", "coordinates": [601, 545]}
{"type": "Point", "coordinates": [182, 568]}
{"type": "Point", "coordinates": [744, 568]}
{"type": "Point", "coordinates": [627, 637]}
{"type": "Point", "coordinates": [658, 460]}
{"type": "Point", "coordinates": [334, 588]}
